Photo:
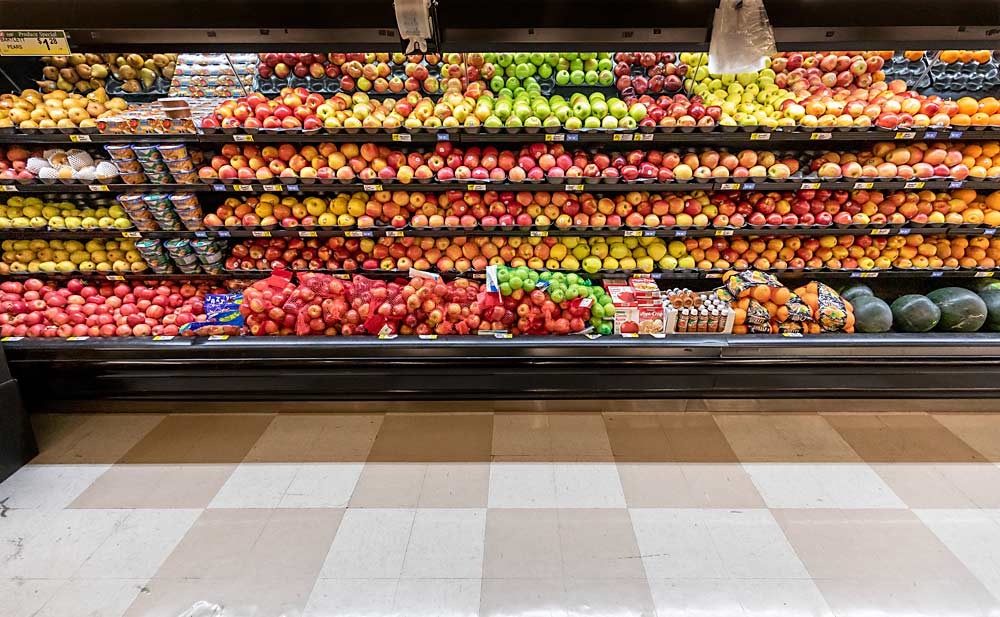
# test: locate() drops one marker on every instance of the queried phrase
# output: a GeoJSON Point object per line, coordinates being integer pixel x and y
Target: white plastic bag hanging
{"type": "Point", "coordinates": [414, 23]}
{"type": "Point", "coordinates": [741, 37]}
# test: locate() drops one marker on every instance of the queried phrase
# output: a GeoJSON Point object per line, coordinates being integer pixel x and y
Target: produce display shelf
{"type": "Point", "coordinates": [470, 185]}
{"type": "Point", "coordinates": [530, 367]}
{"type": "Point", "coordinates": [392, 232]}
{"type": "Point", "coordinates": [480, 137]}
{"type": "Point", "coordinates": [662, 275]}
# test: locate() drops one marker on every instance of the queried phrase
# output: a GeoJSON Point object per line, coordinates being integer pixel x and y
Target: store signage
{"type": "Point", "coordinates": [33, 43]}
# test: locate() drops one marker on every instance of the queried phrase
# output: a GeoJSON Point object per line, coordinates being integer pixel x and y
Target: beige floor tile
{"type": "Point", "coordinates": [91, 439]}
{"type": "Point", "coordinates": [240, 596]}
{"type": "Point", "coordinates": [428, 438]}
{"type": "Point", "coordinates": [352, 598]}
{"type": "Point", "coordinates": [51, 428]}
{"type": "Point", "coordinates": [155, 486]}
{"type": "Point", "coordinates": [637, 437]}
{"type": "Point", "coordinates": [943, 485]}
{"type": "Point", "coordinates": [90, 598]}
{"type": "Point", "coordinates": [868, 544]}
{"type": "Point", "coordinates": [918, 597]}
{"type": "Point", "coordinates": [551, 597]}
{"type": "Point", "coordinates": [980, 431]}
{"type": "Point", "coordinates": [688, 485]}
{"type": "Point", "coordinates": [576, 435]}
{"type": "Point", "coordinates": [668, 437]}
{"type": "Point", "coordinates": [601, 597]}
{"type": "Point", "coordinates": [254, 544]}
{"type": "Point", "coordinates": [455, 485]}
{"type": "Point", "coordinates": [440, 597]}
{"type": "Point", "coordinates": [312, 438]}
{"type": "Point", "coordinates": [198, 438]}
{"type": "Point", "coordinates": [545, 437]}
{"type": "Point", "coordinates": [598, 543]}
{"type": "Point", "coordinates": [787, 437]}
{"type": "Point", "coordinates": [536, 597]}
{"type": "Point", "coordinates": [521, 434]}
{"type": "Point", "coordinates": [902, 438]}
{"type": "Point", "coordinates": [389, 485]}
{"type": "Point", "coordinates": [522, 543]}
{"type": "Point", "coordinates": [370, 543]}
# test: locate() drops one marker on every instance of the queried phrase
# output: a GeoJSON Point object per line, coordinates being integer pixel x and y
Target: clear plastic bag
{"type": "Point", "coordinates": [741, 37]}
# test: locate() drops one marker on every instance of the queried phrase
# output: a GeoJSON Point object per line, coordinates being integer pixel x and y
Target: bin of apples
{"type": "Point", "coordinates": [919, 160]}
{"type": "Point", "coordinates": [36, 308]}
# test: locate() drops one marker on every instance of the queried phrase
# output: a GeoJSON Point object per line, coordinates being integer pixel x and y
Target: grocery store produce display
{"type": "Point", "coordinates": [439, 194]}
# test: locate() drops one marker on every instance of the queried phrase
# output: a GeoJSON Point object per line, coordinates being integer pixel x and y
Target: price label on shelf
{"type": "Point", "coordinates": [538, 233]}
{"type": "Point", "coordinates": [723, 232]}
{"type": "Point", "coordinates": [562, 137]}
{"type": "Point", "coordinates": [880, 232]}
{"type": "Point", "coordinates": [427, 337]}
{"type": "Point", "coordinates": [242, 137]}
{"type": "Point", "coordinates": [218, 337]}
{"type": "Point", "coordinates": [307, 234]}
{"type": "Point", "coordinates": [936, 274]}
{"type": "Point", "coordinates": [990, 231]}
{"type": "Point", "coordinates": [913, 185]}
{"type": "Point", "coordinates": [443, 137]}
{"type": "Point", "coordinates": [714, 275]}
{"type": "Point", "coordinates": [574, 187]}
{"type": "Point", "coordinates": [749, 186]}
{"type": "Point", "coordinates": [864, 275]}
{"type": "Point", "coordinates": [642, 137]}
{"type": "Point", "coordinates": [760, 136]}
{"type": "Point", "coordinates": [983, 275]}
{"type": "Point", "coordinates": [224, 234]}
{"type": "Point", "coordinates": [863, 185]}
{"type": "Point", "coordinates": [680, 233]}
{"type": "Point", "coordinates": [77, 338]}
{"type": "Point", "coordinates": [572, 137]}
{"type": "Point", "coordinates": [115, 277]}
{"type": "Point", "coordinates": [131, 234]}
{"type": "Point", "coordinates": [592, 336]}
{"type": "Point", "coordinates": [395, 233]}
{"type": "Point", "coordinates": [8, 188]}
{"type": "Point", "coordinates": [11, 338]}
{"type": "Point", "coordinates": [274, 188]}
{"type": "Point", "coordinates": [357, 234]}
{"type": "Point", "coordinates": [243, 188]}
{"type": "Point", "coordinates": [729, 186]}
{"type": "Point", "coordinates": [502, 335]}
{"type": "Point", "coordinates": [200, 234]}
{"type": "Point", "coordinates": [33, 43]}
{"type": "Point", "coordinates": [792, 334]}
{"type": "Point", "coordinates": [402, 137]}
{"type": "Point", "coordinates": [951, 134]}
{"type": "Point", "coordinates": [260, 234]}
{"type": "Point", "coordinates": [476, 187]}
{"type": "Point", "coordinates": [957, 184]}
{"type": "Point", "coordinates": [930, 135]}
{"type": "Point", "coordinates": [163, 337]}
{"type": "Point", "coordinates": [820, 136]}
{"type": "Point", "coordinates": [630, 335]}
{"type": "Point", "coordinates": [98, 188]}
{"type": "Point", "coordinates": [638, 233]}
{"type": "Point", "coordinates": [809, 185]}
{"type": "Point", "coordinates": [905, 135]}
{"type": "Point", "coordinates": [292, 187]}
{"type": "Point", "coordinates": [904, 231]}
{"type": "Point", "coordinates": [372, 188]}
{"type": "Point", "coordinates": [80, 138]}
{"type": "Point", "coordinates": [386, 336]}
{"type": "Point", "coordinates": [218, 187]}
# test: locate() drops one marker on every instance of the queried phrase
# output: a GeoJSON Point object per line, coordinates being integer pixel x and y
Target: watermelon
{"type": "Point", "coordinates": [851, 292]}
{"type": "Point", "coordinates": [961, 309]}
{"type": "Point", "coordinates": [991, 296]}
{"type": "Point", "coordinates": [914, 313]}
{"type": "Point", "coordinates": [978, 285]}
{"type": "Point", "coordinates": [872, 315]}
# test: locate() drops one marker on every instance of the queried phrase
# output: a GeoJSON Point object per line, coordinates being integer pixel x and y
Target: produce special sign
{"type": "Point", "coordinates": [33, 43]}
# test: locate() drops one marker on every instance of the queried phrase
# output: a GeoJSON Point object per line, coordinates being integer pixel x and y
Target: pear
{"type": "Point", "coordinates": [83, 70]}
{"type": "Point", "coordinates": [59, 61]}
{"type": "Point", "coordinates": [95, 109]}
{"type": "Point", "coordinates": [64, 85]}
{"type": "Point", "coordinates": [93, 58]}
{"type": "Point", "coordinates": [50, 72]}
{"type": "Point", "coordinates": [148, 78]}
{"type": "Point", "coordinates": [75, 59]}
{"type": "Point", "coordinates": [98, 71]}
{"type": "Point", "coordinates": [131, 86]}
{"type": "Point", "coordinates": [134, 60]}
{"type": "Point", "coordinates": [126, 73]}
{"type": "Point", "coordinates": [82, 86]}
{"type": "Point", "coordinates": [46, 86]}
{"type": "Point", "coordinates": [168, 71]}
{"type": "Point", "coordinates": [69, 75]}
{"type": "Point", "coordinates": [149, 64]}
{"type": "Point", "coordinates": [117, 104]}
{"type": "Point", "coordinates": [100, 95]}
{"type": "Point", "coordinates": [160, 60]}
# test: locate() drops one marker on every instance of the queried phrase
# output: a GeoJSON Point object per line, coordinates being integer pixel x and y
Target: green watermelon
{"type": "Point", "coordinates": [871, 315]}
{"type": "Point", "coordinates": [978, 285]}
{"type": "Point", "coordinates": [961, 309]}
{"type": "Point", "coordinates": [991, 296]}
{"type": "Point", "coordinates": [851, 292]}
{"type": "Point", "coordinates": [915, 313]}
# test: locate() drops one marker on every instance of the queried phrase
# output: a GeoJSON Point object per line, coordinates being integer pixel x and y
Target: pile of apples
{"type": "Point", "coordinates": [35, 308]}
{"type": "Point", "coordinates": [58, 110]}
{"type": "Point", "coordinates": [33, 213]}
{"type": "Point", "coordinates": [65, 256]}
{"type": "Point", "coordinates": [658, 72]}
{"type": "Point", "coordinates": [13, 165]}
{"type": "Point", "coordinates": [828, 69]}
{"type": "Point", "coordinates": [919, 160]}
{"type": "Point", "coordinates": [364, 72]}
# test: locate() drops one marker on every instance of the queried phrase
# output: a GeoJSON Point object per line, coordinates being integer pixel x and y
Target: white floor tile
{"type": "Point", "coordinates": [322, 485]}
{"type": "Point", "coordinates": [588, 485]}
{"type": "Point", "coordinates": [48, 487]}
{"type": "Point", "coordinates": [773, 598]}
{"type": "Point", "coordinates": [352, 598]}
{"type": "Point", "coordinates": [973, 536]}
{"type": "Point", "coordinates": [370, 543]}
{"type": "Point", "coordinates": [437, 597]}
{"type": "Point", "coordinates": [139, 545]}
{"type": "Point", "coordinates": [752, 545]}
{"type": "Point", "coordinates": [255, 485]}
{"type": "Point", "coordinates": [695, 598]}
{"type": "Point", "coordinates": [90, 598]}
{"type": "Point", "coordinates": [446, 544]}
{"type": "Point", "coordinates": [59, 544]}
{"type": "Point", "coordinates": [24, 597]}
{"type": "Point", "coordinates": [522, 485]}
{"type": "Point", "coordinates": [821, 485]}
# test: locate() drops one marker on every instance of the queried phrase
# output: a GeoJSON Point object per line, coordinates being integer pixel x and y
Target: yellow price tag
{"type": "Point", "coordinates": [33, 43]}
{"type": "Point", "coordinates": [242, 137]}
{"type": "Point", "coordinates": [80, 138]}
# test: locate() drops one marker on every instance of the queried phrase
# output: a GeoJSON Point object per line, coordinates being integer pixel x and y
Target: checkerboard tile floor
{"type": "Point", "coordinates": [506, 514]}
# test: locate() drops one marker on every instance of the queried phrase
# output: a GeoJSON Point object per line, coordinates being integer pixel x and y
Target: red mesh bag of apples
{"type": "Point", "coordinates": [264, 302]}
{"type": "Point", "coordinates": [319, 303]}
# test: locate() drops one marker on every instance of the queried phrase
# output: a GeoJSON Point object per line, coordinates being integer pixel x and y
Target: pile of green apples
{"type": "Point", "coordinates": [534, 110]}
{"type": "Point", "coordinates": [33, 213]}
{"type": "Point", "coordinates": [746, 99]}
{"type": "Point", "coordinates": [513, 70]}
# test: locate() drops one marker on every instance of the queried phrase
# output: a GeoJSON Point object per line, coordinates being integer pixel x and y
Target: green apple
{"type": "Point", "coordinates": [551, 58]}
{"type": "Point", "coordinates": [609, 122]}
{"type": "Point", "coordinates": [521, 57]}
{"type": "Point", "coordinates": [536, 58]}
{"type": "Point", "coordinates": [573, 123]}
{"type": "Point", "coordinates": [533, 121]}
{"type": "Point", "coordinates": [514, 122]}
{"type": "Point", "coordinates": [541, 109]}
{"type": "Point", "coordinates": [605, 64]}
{"type": "Point", "coordinates": [513, 82]}
{"type": "Point", "coordinates": [575, 65]}
{"type": "Point", "coordinates": [562, 78]}
{"type": "Point", "coordinates": [552, 122]}
{"type": "Point", "coordinates": [562, 65]}
{"type": "Point", "coordinates": [590, 77]}
{"type": "Point", "coordinates": [581, 108]}
{"type": "Point", "coordinates": [617, 108]}
{"type": "Point", "coordinates": [628, 122]}
{"type": "Point", "coordinates": [590, 65]}
{"type": "Point", "coordinates": [523, 71]}
{"type": "Point", "coordinates": [605, 78]}
{"type": "Point", "coordinates": [545, 71]}
{"type": "Point", "coordinates": [496, 83]}
{"type": "Point", "coordinates": [596, 96]}
{"type": "Point", "coordinates": [599, 108]}
{"type": "Point", "coordinates": [505, 59]}
{"type": "Point", "coordinates": [576, 78]}
{"type": "Point", "coordinates": [571, 55]}
{"type": "Point", "coordinates": [590, 122]}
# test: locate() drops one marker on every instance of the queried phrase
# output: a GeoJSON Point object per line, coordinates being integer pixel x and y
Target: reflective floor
{"type": "Point", "coordinates": [505, 514]}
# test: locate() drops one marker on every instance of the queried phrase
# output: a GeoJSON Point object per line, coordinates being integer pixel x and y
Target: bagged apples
{"type": "Point", "coordinates": [525, 301]}
{"type": "Point", "coordinates": [263, 307]}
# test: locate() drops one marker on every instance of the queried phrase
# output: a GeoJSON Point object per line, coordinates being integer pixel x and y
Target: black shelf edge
{"type": "Point", "coordinates": [368, 368]}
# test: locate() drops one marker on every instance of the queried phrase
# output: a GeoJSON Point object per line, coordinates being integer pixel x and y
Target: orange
{"type": "Point", "coordinates": [967, 105]}
{"type": "Point", "coordinates": [990, 148]}
{"type": "Point", "coordinates": [981, 56]}
{"type": "Point", "coordinates": [741, 315]}
{"type": "Point", "coordinates": [761, 293]}
{"type": "Point", "coordinates": [961, 120]}
{"type": "Point", "coordinates": [912, 55]}
{"type": "Point", "coordinates": [948, 56]}
{"type": "Point", "coordinates": [980, 119]}
{"type": "Point", "coordinates": [782, 314]}
{"type": "Point", "coordinates": [973, 150]}
{"type": "Point", "coordinates": [781, 296]}
{"type": "Point", "coordinates": [989, 105]}
{"type": "Point", "coordinates": [740, 329]}
{"type": "Point", "coordinates": [965, 55]}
